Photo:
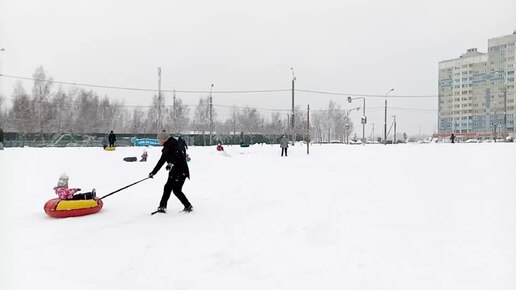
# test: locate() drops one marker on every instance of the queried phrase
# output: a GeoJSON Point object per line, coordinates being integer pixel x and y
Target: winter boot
{"type": "Point", "coordinates": [188, 208]}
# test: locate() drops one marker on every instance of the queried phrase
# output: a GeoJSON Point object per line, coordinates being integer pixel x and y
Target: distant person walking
{"type": "Point", "coordinates": [112, 139]}
{"type": "Point", "coordinates": [452, 138]}
{"type": "Point", "coordinates": [284, 145]}
{"type": "Point", "coordinates": [179, 172]}
{"type": "Point", "coordinates": [1, 139]}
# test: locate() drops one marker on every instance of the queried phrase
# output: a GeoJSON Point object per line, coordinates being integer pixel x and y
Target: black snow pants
{"type": "Point", "coordinates": [174, 184]}
{"type": "Point", "coordinates": [284, 150]}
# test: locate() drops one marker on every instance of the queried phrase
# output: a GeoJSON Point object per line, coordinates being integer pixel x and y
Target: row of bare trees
{"type": "Point", "coordinates": [78, 110]}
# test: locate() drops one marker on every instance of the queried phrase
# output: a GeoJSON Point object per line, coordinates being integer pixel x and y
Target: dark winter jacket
{"type": "Point", "coordinates": [112, 137]}
{"type": "Point", "coordinates": [172, 153]}
{"type": "Point", "coordinates": [182, 144]}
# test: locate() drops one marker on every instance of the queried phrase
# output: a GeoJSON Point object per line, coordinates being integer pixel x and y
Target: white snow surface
{"type": "Point", "coordinates": [404, 217]}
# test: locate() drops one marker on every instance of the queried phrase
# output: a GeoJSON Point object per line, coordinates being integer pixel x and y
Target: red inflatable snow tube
{"type": "Point", "coordinates": [58, 208]}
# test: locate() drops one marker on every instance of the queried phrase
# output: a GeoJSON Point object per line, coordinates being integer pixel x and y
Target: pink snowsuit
{"type": "Point", "coordinates": [144, 156]}
{"type": "Point", "coordinates": [65, 192]}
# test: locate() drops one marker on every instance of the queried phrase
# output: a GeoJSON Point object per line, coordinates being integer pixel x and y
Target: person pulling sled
{"type": "Point", "coordinates": [172, 154]}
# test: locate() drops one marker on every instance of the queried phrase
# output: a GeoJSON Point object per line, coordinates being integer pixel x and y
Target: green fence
{"type": "Point", "coordinates": [15, 139]}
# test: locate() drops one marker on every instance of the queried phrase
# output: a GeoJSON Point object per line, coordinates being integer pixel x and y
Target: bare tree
{"type": "Point", "coordinates": [330, 124]}
{"type": "Point", "coordinates": [318, 125]}
{"type": "Point", "coordinates": [250, 121]}
{"type": "Point", "coordinates": [21, 113]}
{"type": "Point", "coordinates": [137, 121]}
{"type": "Point", "coordinates": [273, 127]}
{"type": "Point", "coordinates": [3, 113]}
{"type": "Point", "coordinates": [154, 113]}
{"type": "Point", "coordinates": [41, 94]}
{"type": "Point", "coordinates": [300, 122]}
{"type": "Point", "coordinates": [61, 111]}
{"type": "Point", "coordinates": [86, 109]}
{"type": "Point", "coordinates": [178, 117]}
{"type": "Point", "coordinates": [201, 119]}
{"type": "Point", "coordinates": [235, 126]}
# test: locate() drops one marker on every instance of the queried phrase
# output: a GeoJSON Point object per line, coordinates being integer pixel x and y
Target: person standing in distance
{"type": "Point", "coordinates": [175, 157]}
{"type": "Point", "coordinates": [1, 139]}
{"type": "Point", "coordinates": [112, 139]}
{"type": "Point", "coordinates": [284, 145]}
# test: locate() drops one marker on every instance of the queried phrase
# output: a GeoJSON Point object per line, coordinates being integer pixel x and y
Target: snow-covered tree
{"type": "Point", "coordinates": [21, 113]}
{"type": "Point", "coordinates": [178, 116]}
{"type": "Point", "coordinates": [40, 98]}
{"type": "Point", "coordinates": [201, 119]}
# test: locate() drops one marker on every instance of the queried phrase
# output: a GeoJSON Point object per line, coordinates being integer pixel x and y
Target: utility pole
{"type": "Point", "coordinates": [394, 139]}
{"type": "Point", "coordinates": [293, 128]}
{"type": "Point", "coordinates": [346, 127]}
{"type": "Point", "coordinates": [385, 124]}
{"type": "Point", "coordinates": [372, 134]}
{"type": "Point", "coordinates": [363, 119]}
{"type": "Point", "coordinates": [159, 98]}
{"type": "Point", "coordinates": [211, 114]}
{"type": "Point", "coordinates": [308, 131]}
{"type": "Point", "coordinates": [385, 119]}
{"type": "Point", "coordinates": [175, 112]}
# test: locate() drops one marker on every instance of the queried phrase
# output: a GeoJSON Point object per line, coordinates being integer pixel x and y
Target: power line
{"type": "Point", "coordinates": [364, 95]}
{"type": "Point", "coordinates": [414, 109]}
{"type": "Point", "coordinates": [225, 92]}
{"type": "Point", "coordinates": [144, 89]}
{"type": "Point", "coordinates": [231, 92]}
{"type": "Point", "coordinates": [78, 84]}
{"type": "Point", "coordinates": [218, 92]}
{"type": "Point", "coordinates": [258, 109]}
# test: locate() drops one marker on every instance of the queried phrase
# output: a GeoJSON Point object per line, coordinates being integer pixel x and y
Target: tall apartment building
{"type": "Point", "coordinates": [476, 91]}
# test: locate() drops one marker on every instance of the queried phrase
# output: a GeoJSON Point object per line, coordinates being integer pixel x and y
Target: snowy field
{"type": "Point", "coordinates": [404, 217]}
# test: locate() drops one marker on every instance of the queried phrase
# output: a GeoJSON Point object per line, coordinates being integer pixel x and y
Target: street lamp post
{"type": "Point", "coordinates": [346, 127]}
{"type": "Point", "coordinates": [1, 81]}
{"type": "Point", "coordinates": [394, 137]}
{"type": "Point", "coordinates": [211, 113]}
{"type": "Point", "coordinates": [160, 124]}
{"type": "Point", "coordinates": [293, 128]}
{"type": "Point", "coordinates": [363, 119]}
{"type": "Point", "coordinates": [385, 120]}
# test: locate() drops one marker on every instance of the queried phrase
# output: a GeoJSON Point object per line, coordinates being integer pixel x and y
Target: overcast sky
{"type": "Point", "coordinates": [354, 47]}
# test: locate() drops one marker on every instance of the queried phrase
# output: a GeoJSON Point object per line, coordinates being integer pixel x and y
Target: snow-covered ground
{"type": "Point", "coordinates": [414, 216]}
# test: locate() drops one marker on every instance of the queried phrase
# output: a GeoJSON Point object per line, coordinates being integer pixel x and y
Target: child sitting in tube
{"type": "Point", "coordinates": [144, 156]}
{"type": "Point", "coordinates": [64, 192]}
